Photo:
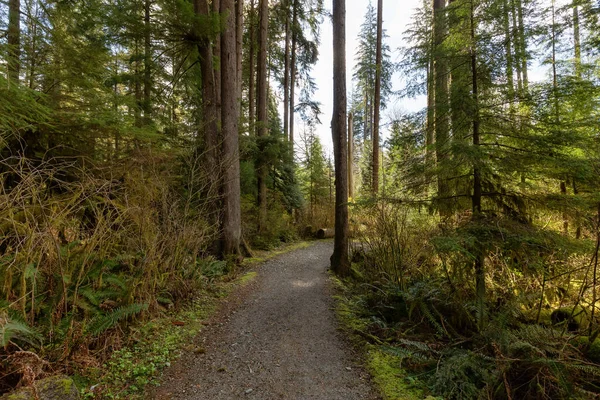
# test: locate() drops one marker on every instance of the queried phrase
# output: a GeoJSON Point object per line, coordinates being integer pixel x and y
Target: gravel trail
{"type": "Point", "coordinates": [276, 339]}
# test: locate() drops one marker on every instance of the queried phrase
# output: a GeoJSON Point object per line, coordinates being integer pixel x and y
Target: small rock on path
{"type": "Point", "coordinates": [281, 342]}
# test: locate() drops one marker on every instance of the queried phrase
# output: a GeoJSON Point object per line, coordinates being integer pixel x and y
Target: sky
{"type": "Point", "coordinates": [397, 16]}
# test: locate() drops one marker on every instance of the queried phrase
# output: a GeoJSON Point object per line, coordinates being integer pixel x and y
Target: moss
{"type": "Point", "coordinates": [262, 256]}
{"type": "Point", "coordinates": [391, 379]}
{"type": "Point", "coordinates": [591, 350]}
{"type": "Point", "coordinates": [576, 318]}
{"type": "Point", "coordinates": [247, 278]}
{"type": "Point", "coordinates": [22, 395]}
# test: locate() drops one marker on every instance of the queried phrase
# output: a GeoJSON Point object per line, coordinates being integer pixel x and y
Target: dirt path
{"type": "Point", "coordinates": [277, 341]}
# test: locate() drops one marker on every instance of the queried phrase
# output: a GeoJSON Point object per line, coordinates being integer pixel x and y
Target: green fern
{"type": "Point", "coordinates": [104, 322]}
{"type": "Point", "coordinates": [13, 330]}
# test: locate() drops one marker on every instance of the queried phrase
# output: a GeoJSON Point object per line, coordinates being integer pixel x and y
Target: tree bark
{"type": "Point", "coordinates": [293, 69]}
{"type": "Point", "coordinates": [509, 52]}
{"type": "Point", "coordinates": [14, 41]}
{"type": "Point", "coordinates": [286, 74]}
{"type": "Point", "coordinates": [441, 100]}
{"type": "Point", "coordinates": [523, 45]}
{"type": "Point", "coordinates": [251, 72]}
{"type": "Point", "coordinates": [350, 155]}
{"type": "Point", "coordinates": [147, 103]}
{"type": "Point", "coordinates": [377, 105]}
{"type": "Point", "coordinates": [429, 134]}
{"type": "Point", "coordinates": [576, 40]}
{"type": "Point", "coordinates": [339, 259]}
{"type": "Point", "coordinates": [477, 189]}
{"type": "Point", "coordinates": [209, 130]}
{"type": "Point", "coordinates": [262, 117]}
{"type": "Point", "coordinates": [216, 8]}
{"type": "Point", "coordinates": [517, 46]}
{"type": "Point", "coordinates": [230, 98]}
{"type": "Point", "coordinates": [239, 35]}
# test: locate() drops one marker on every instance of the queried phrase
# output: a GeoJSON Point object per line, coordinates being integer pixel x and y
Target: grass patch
{"type": "Point", "coordinates": [261, 256]}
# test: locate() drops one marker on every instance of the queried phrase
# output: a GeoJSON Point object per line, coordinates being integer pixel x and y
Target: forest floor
{"type": "Point", "coordinates": [276, 338]}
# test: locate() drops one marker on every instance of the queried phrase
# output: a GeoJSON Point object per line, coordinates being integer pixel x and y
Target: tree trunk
{"type": "Point", "coordinates": [251, 73]}
{"type": "Point", "coordinates": [577, 49]}
{"type": "Point", "coordinates": [563, 184]}
{"type": "Point", "coordinates": [293, 71]}
{"type": "Point", "coordinates": [441, 107]}
{"type": "Point", "coordinates": [477, 189]}
{"type": "Point", "coordinates": [209, 130]}
{"type": "Point", "coordinates": [509, 54]}
{"type": "Point", "coordinates": [377, 105]}
{"type": "Point", "coordinates": [216, 8]}
{"type": "Point", "coordinates": [147, 103]}
{"type": "Point", "coordinates": [429, 135]}
{"type": "Point", "coordinates": [350, 155]}
{"type": "Point", "coordinates": [262, 117]}
{"type": "Point", "coordinates": [523, 45]}
{"type": "Point", "coordinates": [239, 36]}
{"type": "Point", "coordinates": [14, 41]}
{"type": "Point", "coordinates": [139, 96]}
{"type": "Point", "coordinates": [230, 97]}
{"type": "Point", "coordinates": [517, 46]}
{"type": "Point", "coordinates": [554, 72]}
{"type": "Point", "coordinates": [286, 75]}
{"type": "Point", "coordinates": [576, 40]}
{"type": "Point", "coordinates": [339, 259]}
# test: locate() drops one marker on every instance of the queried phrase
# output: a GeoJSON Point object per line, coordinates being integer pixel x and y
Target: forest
{"type": "Point", "coordinates": [149, 147]}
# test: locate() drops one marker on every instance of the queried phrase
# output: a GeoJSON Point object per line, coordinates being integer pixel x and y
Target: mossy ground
{"type": "Point", "coordinates": [392, 381]}
{"type": "Point", "coordinates": [154, 345]}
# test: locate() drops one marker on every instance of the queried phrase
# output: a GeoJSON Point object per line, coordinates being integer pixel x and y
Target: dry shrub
{"type": "Point", "coordinates": [83, 248]}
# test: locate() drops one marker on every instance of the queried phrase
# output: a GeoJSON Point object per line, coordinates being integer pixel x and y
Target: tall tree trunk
{"type": "Point", "coordinates": [147, 103]}
{"type": "Point", "coordinates": [517, 46]}
{"type": "Point", "coordinates": [14, 41]}
{"type": "Point", "coordinates": [377, 105]}
{"type": "Point", "coordinates": [556, 103]}
{"type": "Point", "coordinates": [209, 130]}
{"type": "Point", "coordinates": [509, 52]}
{"type": "Point", "coordinates": [230, 97]}
{"type": "Point", "coordinates": [239, 36]}
{"type": "Point", "coordinates": [429, 134]}
{"type": "Point", "coordinates": [293, 69]}
{"type": "Point", "coordinates": [576, 40]}
{"type": "Point", "coordinates": [286, 74]}
{"type": "Point", "coordinates": [216, 8]}
{"type": "Point", "coordinates": [523, 45]}
{"type": "Point", "coordinates": [442, 136]}
{"type": "Point", "coordinates": [554, 72]}
{"type": "Point", "coordinates": [339, 259]}
{"type": "Point", "coordinates": [577, 50]}
{"type": "Point", "coordinates": [32, 27]}
{"type": "Point", "coordinates": [350, 155]}
{"type": "Point", "coordinates": [477, 189]}
{"type": "Point", "coordinates": [262, 117]}
{"type": "Point", "coordinates": [251, 71]}
{"type": "Point", "coordinates": [139, 96]}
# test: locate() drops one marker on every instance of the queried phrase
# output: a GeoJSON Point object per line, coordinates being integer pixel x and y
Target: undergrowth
{"type": "Point", "coordinates": [412, 301]}
{"type": "Point", "coordinates": [153, 346]}
{"type": "Point", "coordinates": [85, 251]}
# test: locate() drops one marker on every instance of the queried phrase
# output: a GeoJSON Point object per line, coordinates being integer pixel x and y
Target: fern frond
{"type": "Point", "coordinates": [11, 329]}
{"type": "Point", "coordinates": [100, 324]}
